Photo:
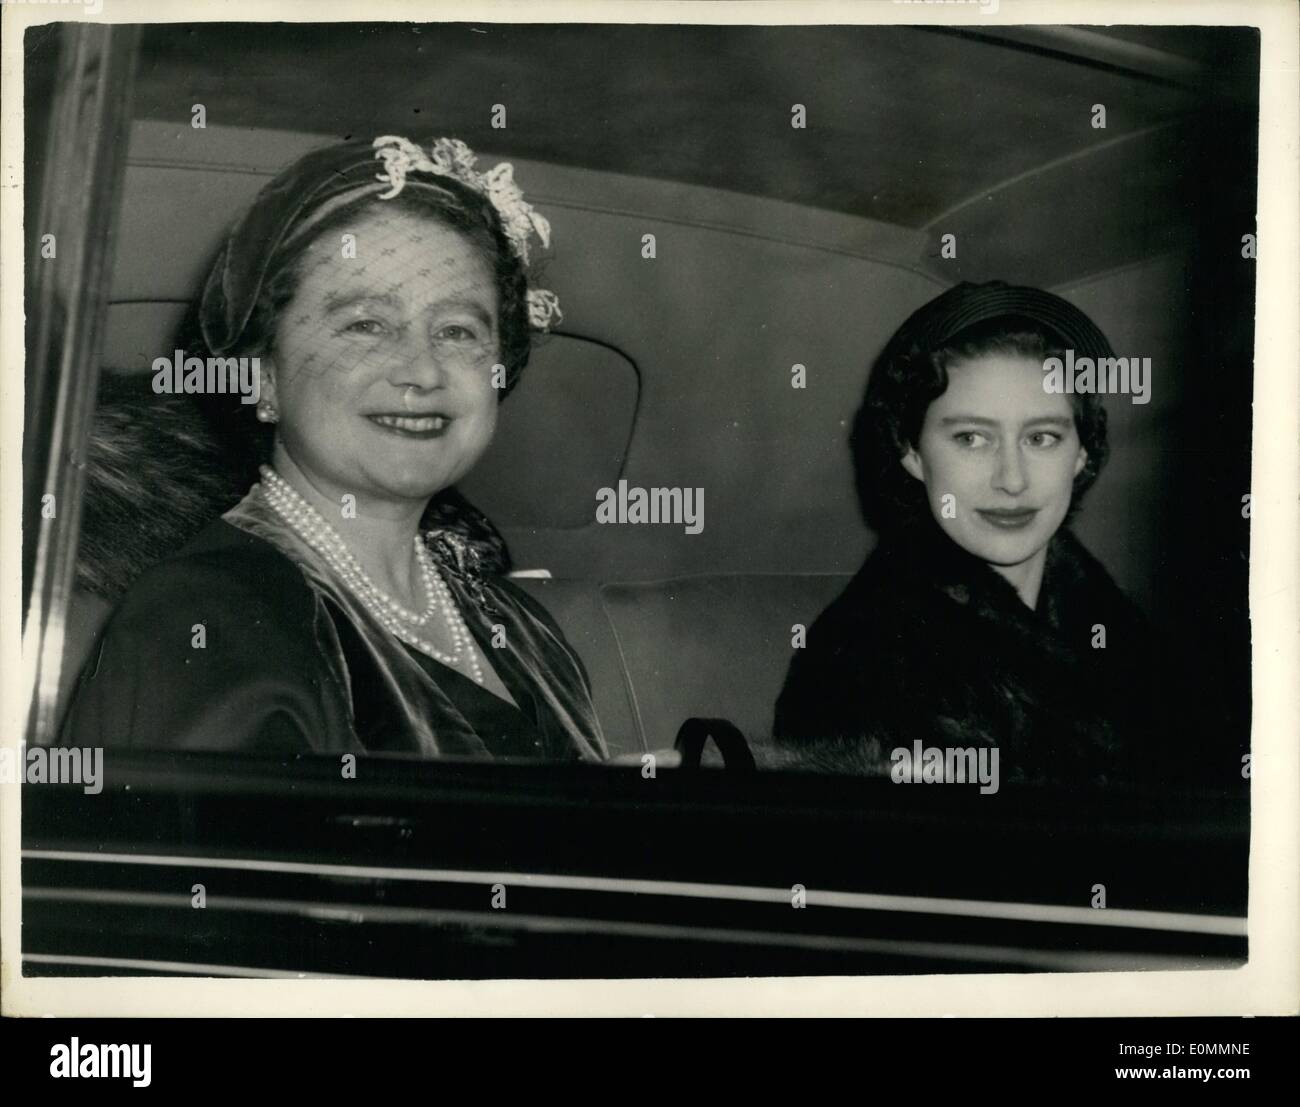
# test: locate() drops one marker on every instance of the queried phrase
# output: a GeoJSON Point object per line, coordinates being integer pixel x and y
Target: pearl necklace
{"type": "Point", "coordinates": [399, 621]}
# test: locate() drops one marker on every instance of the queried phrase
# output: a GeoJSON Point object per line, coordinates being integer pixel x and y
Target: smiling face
{"type": "Point", "coordinates": [1007, 452]}
{"type": "Point", "coordinates": [382, 364]}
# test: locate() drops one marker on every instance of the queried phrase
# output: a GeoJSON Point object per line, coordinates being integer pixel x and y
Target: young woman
{"type": "Point", "coordinates": [383, 289]}
{"type": "Point", "coordinates": [978, 620]}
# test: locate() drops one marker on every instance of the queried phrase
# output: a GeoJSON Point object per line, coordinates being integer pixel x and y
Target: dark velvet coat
{"type": "Point", "coordinates": [288, 660]}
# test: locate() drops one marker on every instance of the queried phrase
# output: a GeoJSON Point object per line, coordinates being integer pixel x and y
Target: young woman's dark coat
{"type": "Point", "coordinates": [929, 643]}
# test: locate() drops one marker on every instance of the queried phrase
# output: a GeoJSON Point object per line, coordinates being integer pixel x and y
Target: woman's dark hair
{"type": "Point", "coordinates": [910, 375]}
{"type": "Point", "coordinates": [451, 203]}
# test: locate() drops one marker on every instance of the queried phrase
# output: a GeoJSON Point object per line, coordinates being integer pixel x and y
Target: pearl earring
{"type": "Point", "coordinates": [266, 412]}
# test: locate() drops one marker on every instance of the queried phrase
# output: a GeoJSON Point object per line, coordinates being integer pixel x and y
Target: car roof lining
{"type": "Point", "coordinates": [651, 102]}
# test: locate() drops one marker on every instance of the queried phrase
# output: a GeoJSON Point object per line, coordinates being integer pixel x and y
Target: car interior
{"type": "Point", "coordinates": [931, 155]}
{"type": "Point", "coordinates": [774, 248]}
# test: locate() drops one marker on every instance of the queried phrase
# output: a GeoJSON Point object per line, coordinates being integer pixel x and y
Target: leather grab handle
{"type": "Point", "coordinates": [695, 732]}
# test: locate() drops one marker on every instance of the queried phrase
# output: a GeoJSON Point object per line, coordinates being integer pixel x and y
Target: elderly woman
{"type": "Point", "coordinates": [383, 290]}
{"type": "Point", "coordinates": [979, 620]}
